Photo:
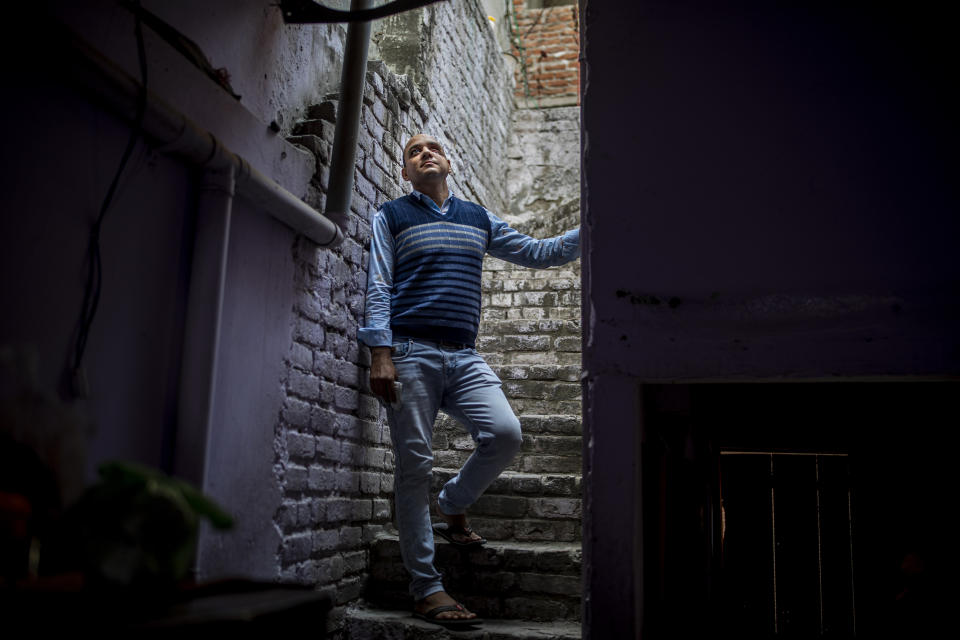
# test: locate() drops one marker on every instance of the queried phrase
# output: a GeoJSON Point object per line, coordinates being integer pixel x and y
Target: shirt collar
{"type": "Point", "coordinates": [427, 200]}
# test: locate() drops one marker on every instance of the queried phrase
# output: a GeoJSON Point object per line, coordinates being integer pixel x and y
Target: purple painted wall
{"type": "Point", "coordinates": [778, 175]}
{"type": "Point", "coordinates": [59, 163]}
{"type": "Point", "coordinates": [768, 194]}
{"type": "Point", "coordinates": [58, 160]}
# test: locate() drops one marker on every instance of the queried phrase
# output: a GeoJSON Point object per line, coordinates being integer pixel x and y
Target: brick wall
{"type": "Point", "coordinates": [334, 463]}
{"type": "Point", "coordinates": [544, 171]}
{"type": "Point", "coordinates": [546, 41]}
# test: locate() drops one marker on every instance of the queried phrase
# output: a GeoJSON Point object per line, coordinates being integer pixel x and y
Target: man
{"type": "Point", "coordinates": [422, 314]}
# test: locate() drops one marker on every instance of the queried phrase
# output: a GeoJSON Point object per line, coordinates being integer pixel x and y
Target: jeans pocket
{"type": "Point", "coordinates": [401, 350]}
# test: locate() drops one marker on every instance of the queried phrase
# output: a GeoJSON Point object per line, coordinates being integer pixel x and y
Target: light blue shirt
{"type": "Point", "coordinates": [505, 243]}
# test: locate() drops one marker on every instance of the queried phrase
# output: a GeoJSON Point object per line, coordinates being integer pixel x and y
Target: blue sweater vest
{"type": "Point", "coordinates": [438, 262]}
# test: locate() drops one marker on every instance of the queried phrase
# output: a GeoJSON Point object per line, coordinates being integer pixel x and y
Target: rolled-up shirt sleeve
{"type": "Point", "coordinates": [376, 330]}
{"type": "Point", "coordinates": [511, 245]}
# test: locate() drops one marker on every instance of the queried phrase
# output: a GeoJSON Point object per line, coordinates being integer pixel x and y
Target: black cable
{"type": "Point", "coordinates": [314, 12]}
{"type": "Point", "coordinates": [94, 284]}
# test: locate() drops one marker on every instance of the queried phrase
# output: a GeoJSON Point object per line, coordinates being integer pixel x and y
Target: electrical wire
{"type": "Point", "coordinates": [94, 281]}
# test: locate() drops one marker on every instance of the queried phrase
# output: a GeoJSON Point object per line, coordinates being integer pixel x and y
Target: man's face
{"type": "Point", "coordinates": [424, 161]}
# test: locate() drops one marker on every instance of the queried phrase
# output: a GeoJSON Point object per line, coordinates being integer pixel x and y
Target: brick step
{"type": "Point", "coordinates": [551, 445]}
{"type": "Point", "coordinates": [560, 424]}
{"type": "Point", "coordinates": [527, 529]}
{"type": "Point", "coordinates": [504, 358]}
{"type": "Point", "coordinates": [448, 428]}
{"type": "Point", "coordinates": [531, 581]}
{"type": "Point", "coordinates": [541, 390]}
{"type": "Point", "coordinates": [457, 440]}
{"type": "Point", "coordinates": [537, 406]}
{"type": "Point", "coordinates": [547, 343]}
{"type": "Point", "coordinates": [529, 485]}
{"type": "Point", "coordinates": [371, 623]}
{"type": "Point", "coordinates": [547, 298]}
{"type": "Point", "coordinates": [516, 282]}
{"type": "Point", "coordinates": [525, 518]}
{"type": "Point", "coordinates": [498, 314]}
{"type": "Point", "coordinates": [524, 463]}
{"type": "Point", "coordinates": [498, 269]}
{"type": "Point", "coordinates": [536, 450]}
{"type": "Point", "coordinates": [567, 373]}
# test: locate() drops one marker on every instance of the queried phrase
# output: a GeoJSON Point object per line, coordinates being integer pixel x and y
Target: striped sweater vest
{"type": "Point", "coordinates": [437, 266]}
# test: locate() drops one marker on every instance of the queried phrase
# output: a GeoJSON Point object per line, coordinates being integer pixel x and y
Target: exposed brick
{"type": "Point", "coordinates": [297, 414]}
{"type": "Point", "coordinates": [309, 332]}
{"type": "Point", "coordinates": [323, 422]}
{"type": "Point", "coordinates": [325, 540]}
{"type": "Point", "coordinates": [328, 448]}
{"type": "Point", "coordinates": [300, 445]}
{"type": "Point", "coordinates": [349, 589]}
{"type": "Point", "coordinates": [297, 547]}
{"type": "Point", "coordinates": [321, 478]}
{"type": "Point", "coordinates": [504, 506]}
{"type": "Point", "coordinates": [337, 509]}
{"type": "Point", "coordinates": [349, 538]}
{"type": "Point", "coordinates": [330, 406]}
{"type": "Point", "coordinates": [527, 484]}
{"type": "Point", "coordinates": [564, 508]}
{"type": "Point", "coordinates": [381, 508]}
{"type": "Point", "coordinates": [369, 482]}
{"type": "Point", "coordinates": [554, 585]}
{"type": "Point", "coordinates": [347, 481]}
{"type": "Point", "coordinates": [353, 453]}
{"type": "Point", "coordinates": [371, 532]}
{"type": "Point", "coordinates": [355, 561]}
{"type": "Point", "coordinates": [360, 510]}
{"type": "Point", "coordinates": [287, 516]}
{"type": "Point", "coordinates": [303, 385]}
{"type": "Point", "coordinates": [567, 343]}
{"type": "Point", "coordinates": [386, 482]}
{"type": "Point", "coordinates": [295, 478]}
{"type": "Point", "coordinates": [301, 356]}
{"type": "Point", "coordinates": [346, 399]}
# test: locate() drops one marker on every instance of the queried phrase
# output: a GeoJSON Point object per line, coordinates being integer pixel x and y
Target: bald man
{"type": "Point", "coordinates": [422, 315]}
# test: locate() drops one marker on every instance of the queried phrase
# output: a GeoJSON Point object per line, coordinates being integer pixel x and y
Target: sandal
{"type": "Point", "coordinates": [450, 623]}
{"type": "Point", "coordinates": [448, 533]}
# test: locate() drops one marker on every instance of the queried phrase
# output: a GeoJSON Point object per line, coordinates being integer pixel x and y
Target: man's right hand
{"type": "Point", "coordinates": [382, 374]}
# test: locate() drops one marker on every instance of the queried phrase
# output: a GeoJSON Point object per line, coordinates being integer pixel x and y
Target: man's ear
{"type": "Point", "coordinates": [403, 174]}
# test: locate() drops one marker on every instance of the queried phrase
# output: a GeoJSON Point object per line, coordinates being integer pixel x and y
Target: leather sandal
{"type": "Point", "coordinates": [450, 623]}
{"type": "Point", "coordinates": [449, 532]}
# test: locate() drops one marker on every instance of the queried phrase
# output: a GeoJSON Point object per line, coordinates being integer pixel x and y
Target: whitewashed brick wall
{"type": "Point", "coordinates": [334, 464]}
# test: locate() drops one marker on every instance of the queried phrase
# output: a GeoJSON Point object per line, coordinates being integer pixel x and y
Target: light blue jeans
{"type": "Point", "coordinates": [462, 384]}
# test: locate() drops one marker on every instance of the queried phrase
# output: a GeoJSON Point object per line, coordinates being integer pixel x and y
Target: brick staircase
{"type": "Point", "coordinates": [526, 580]}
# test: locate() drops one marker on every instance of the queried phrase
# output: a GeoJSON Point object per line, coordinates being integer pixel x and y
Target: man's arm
{"type": "Point", "coordinates": [376, 333]}
{"type": "Point", "coordinates": [511, 245]}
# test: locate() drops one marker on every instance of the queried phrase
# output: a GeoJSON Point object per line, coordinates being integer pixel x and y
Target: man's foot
{"type": "Point", "coordinates": [442, 609]}
{"type": "Point", "coordinates": [457, 530]}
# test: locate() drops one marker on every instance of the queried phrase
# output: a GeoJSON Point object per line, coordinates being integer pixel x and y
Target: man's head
{"type": "Point", "coordinates": [424, 162]}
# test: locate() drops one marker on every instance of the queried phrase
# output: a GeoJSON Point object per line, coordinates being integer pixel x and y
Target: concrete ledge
{"type": "Point", "coordinates": [365, 622]}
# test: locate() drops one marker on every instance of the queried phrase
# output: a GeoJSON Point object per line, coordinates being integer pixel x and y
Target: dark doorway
{"type": "Point", "coordinates": [787, 543]}
{"type": "Point", "coordinates": [795, 510]}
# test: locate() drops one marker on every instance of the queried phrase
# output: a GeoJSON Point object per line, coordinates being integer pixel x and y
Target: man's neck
{"type": "Point", "coordinates": [436, 192]}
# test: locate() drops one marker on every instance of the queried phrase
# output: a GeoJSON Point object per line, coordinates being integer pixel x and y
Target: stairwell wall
{"type": "Point", "coordinates": [333, 461]}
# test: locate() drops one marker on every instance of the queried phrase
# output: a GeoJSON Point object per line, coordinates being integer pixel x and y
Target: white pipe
{"type": "Point", "coordinates": [112, 87]}
{"type": "Point", "coordinates": [201, 340]}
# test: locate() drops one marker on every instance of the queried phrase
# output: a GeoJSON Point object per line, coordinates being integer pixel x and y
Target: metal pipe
{"type": "Point", "coordinates": [175, 134]}
{"type": "Point", "coordinates": [344, 153]}
{"type": "Point", "coordinates": [201, 340]}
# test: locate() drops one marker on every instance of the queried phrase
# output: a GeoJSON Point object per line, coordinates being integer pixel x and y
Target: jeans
{"type": "Point", "coordinates": [458, 381]}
